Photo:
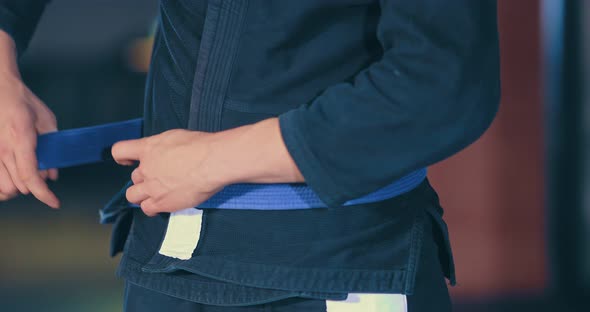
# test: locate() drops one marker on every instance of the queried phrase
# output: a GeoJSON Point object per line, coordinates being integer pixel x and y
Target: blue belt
{"type": "Point", "coordinates": [84, 145]}
{"type": "Point", "coordinates": [92, 144]}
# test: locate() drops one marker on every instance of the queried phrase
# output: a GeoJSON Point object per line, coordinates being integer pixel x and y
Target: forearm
{"type": "Point", "coordinates": [253, 154]}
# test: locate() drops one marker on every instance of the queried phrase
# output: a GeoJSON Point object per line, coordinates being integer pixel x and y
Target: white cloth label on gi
{"type": "Point", "coordinates": [182, 234]}
{"type": "Point", "coordinates": [369, 303]}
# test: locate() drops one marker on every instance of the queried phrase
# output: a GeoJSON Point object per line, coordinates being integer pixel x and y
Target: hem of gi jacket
{"type": "Point", "coordinates": [225, 294]}
{"type": "Point", "coordinates": [307, 280]}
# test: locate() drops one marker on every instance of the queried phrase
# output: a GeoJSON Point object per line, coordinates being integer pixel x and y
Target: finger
{"type": "Point", "coordinates": [4, 197]}
{"type": "Point", "coordinates": [10, 164]}
{"type": "Point", "coordinates": [148, 207]}
{"type": "Point", "coordinates": [137, 193]}
{"type": "Point", "coordinates": [53, 174]}
{"type": "Point", "coordinates": [46, 121]}
{"type": "Point", "coordinates": [176, 200]}
{"type": "Point", "coordinates": [137, 176]}
{"type": "Point", "coordinates": [26, 163]}
{"type": "Point", "coordinates": [126, 152]}
{"type": "Point", "coordinates": [7, 187]}
{"type": "Point", "coordinates": [43, 174]}
{"type": "Point", "coordinates": [47, 125]}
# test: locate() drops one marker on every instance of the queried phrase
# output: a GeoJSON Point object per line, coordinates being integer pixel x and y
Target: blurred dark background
{"type": "Point", "coordinates": [82, 63]}
{"type": "Point", "coordinates": [517, 201]}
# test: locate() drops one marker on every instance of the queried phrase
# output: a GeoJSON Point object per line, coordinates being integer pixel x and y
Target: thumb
{"type": "Point", "coordinates": [126, 152]}
{"type": "Point", "coordinates": [46, 121]}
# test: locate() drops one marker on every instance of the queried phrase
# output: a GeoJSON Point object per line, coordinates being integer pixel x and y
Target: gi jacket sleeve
{"type": "Point", "coordinates": [19, 19]}
{"type": "Point", "coordinates": [434, 91]}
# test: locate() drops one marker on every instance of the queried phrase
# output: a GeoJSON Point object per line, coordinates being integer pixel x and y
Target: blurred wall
{"type": "Point", "coordinates": [493, 191]}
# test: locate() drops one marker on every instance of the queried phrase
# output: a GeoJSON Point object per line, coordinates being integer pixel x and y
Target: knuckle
{"type": "Point", "coordinates": [26, 176]}
{"type": "Point", "coordinates": [151, 206]}
{"type": "Point", "coordinates": [146, 207]}
{"type": "Point", "coordinates": [151, 190]}
{"type": "Point", "coordinates": [21, 124]}
{"type": "Point", "coordinates": [149, 143]}
{"type": "Point", "coordinates": [136, 173]}
{"type": "Point", "coordinates": [154, 206]}
{"type": "Point", "coordinates": [129, 194]}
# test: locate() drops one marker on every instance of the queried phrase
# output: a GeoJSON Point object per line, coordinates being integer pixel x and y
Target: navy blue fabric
{"type": "Point", "coordinates": [19, 19]}
{"type": "Point", "coordinates": [139, 299]}
{"type": "Point", "coordinates": [431, 293]}
{"type": "Point", "coordinates": [376, 248]}
{"type": "Point", "coordinates": [365, 91]}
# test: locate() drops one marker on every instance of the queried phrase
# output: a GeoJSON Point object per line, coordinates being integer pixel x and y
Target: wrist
{"type": "Point", "coordinates": [215, 166]}
{"type": "Point", "coordinates": [224, 163]}
{"type": "Point", "coordinates": [252, 154]}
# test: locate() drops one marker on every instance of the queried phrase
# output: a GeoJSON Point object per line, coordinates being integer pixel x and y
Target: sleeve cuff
{"type": "Point", "coordinates": [320, 181]}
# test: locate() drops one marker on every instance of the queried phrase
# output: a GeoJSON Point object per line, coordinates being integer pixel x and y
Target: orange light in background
{"type": "Point", "coordinates": [139, 53]}
{"type": "Point", "coordinates": [493, 191]}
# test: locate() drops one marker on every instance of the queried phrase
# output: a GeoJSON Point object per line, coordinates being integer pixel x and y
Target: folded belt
{"type": "Point", "coordinates": [92, 144]}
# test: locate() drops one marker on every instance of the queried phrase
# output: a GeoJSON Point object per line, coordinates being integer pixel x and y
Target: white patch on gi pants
{"type": "Point", "coordinates": [369, 303]}
{"type": "Point", "coordinates": [182, 234]}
